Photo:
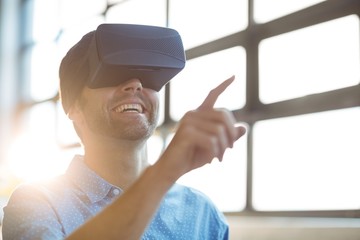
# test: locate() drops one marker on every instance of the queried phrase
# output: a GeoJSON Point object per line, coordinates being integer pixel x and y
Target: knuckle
{"type": "Point", "coordinates": [224, 113]}
{"type": "Point", "coordinates": [213, 142]}
{"type": "Point", "coordinates": [187, 116]}
{"type": "Point", "coordinates": [219, 129]}
{"type": "Point", "coordinates": [187, 129]}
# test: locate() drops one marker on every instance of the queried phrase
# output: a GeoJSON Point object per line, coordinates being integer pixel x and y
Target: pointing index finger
{"type": "Point", "coordinates": [213, 95]}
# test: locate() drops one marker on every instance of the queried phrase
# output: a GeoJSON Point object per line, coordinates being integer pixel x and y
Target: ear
{"type": "Point", "coordinates": [75, 115]}
{"type": "Point", "coordinates": [74, 112]}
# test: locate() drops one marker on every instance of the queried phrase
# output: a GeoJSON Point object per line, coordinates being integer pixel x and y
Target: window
{"type": "Point", "coordinates": [204, 73]}
{"type": "Point", "coordinates": [202, 21]}
{"type": "Point", "coordinates": [311, 60]}
{"type": "Point", "coordinates": [265, 10]}
{"type": "Point", "coordinates": [307, 162]}
{"type": "Point", "coordinates": [138, 12]}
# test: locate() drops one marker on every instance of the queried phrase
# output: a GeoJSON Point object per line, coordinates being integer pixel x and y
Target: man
{"type": "Point", "coordinates": [111, 192]}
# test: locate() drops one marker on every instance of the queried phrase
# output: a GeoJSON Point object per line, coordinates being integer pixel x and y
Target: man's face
{"type": "Point", "coordinates": [127, 111]}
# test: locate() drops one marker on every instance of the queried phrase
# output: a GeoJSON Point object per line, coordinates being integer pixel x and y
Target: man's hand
{"type": "Point", "coordinates": [202, 135]}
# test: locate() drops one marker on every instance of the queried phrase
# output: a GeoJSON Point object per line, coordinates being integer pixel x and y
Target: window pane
{"type": "Point", "coordinates": [320, 58]}
{"type": "Point", "coordinates": [192, 85]}
{"type": "Point", "coordinates": [267, 10]}
{"type": "Point", "coordinates": [44, 72]}
{"type": "Point", "coordinates": [161, 106]}
{"type": "Point", "coordinates": [202, 21]}
{"type": "Point", "coordinates": [45, 20]}
{"type": "Point", "coordinates": [65, 132]}
{"type": "Point", "coordinates": [71, 35]}
{"type": "Point", "coordinates": [308, 162]}
{"type": "Point", "coordinates": [34, 154]}
{"type": "Point", "coordinates": [155, 146]}
{"type": "Point", "coordinates": [139, 12]}
{"type": "Point", "coordinates": [115, 1]}
{"type": "Point", "coordinates": [225, 182]}
{"type": "Point", "coordinates": [72, 12]}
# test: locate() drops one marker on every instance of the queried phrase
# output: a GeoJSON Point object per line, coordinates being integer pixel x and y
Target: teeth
{"type": "Point", "coordinates": [129, 108]}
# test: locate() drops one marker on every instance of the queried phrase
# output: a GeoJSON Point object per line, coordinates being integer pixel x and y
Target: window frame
{"type": "Point", "coordinates": [254, 110]}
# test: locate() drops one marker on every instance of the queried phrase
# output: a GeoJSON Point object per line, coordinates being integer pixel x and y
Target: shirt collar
{"type": "Point", "coordinates": [90, 183]}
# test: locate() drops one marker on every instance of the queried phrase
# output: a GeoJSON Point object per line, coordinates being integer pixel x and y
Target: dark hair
{"type": "Point", "coordinates": [74, 71]}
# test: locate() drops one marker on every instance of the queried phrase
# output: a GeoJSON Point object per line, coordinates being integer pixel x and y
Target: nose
{"type": "Point", "coordinates": [133, 85]}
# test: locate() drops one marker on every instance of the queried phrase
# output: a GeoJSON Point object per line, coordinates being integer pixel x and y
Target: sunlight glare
{"type": "Point", "coordinates": [34, 159]}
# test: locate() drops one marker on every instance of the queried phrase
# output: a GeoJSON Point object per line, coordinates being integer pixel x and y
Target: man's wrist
{"type": "Point", "coordinates": [162, 171]}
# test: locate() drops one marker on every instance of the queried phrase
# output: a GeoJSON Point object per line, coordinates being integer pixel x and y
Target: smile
{"type": "Point", "coordinates": [131, 107]}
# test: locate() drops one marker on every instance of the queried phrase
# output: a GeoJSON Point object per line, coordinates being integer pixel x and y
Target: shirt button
{"type": "Point", "coordinates": [116, 191]}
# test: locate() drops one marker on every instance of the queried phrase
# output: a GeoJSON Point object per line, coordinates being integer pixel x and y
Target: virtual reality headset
{"type": "Point", "coordinates": [120, 52]}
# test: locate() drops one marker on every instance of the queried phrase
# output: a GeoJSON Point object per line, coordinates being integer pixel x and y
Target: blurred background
{"type": "Point", "coordinates": [295, 175]}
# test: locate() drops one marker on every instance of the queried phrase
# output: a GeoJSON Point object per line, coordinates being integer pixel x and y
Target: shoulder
{"type": "Point", "coordinates": [188, 193]}
{"type": "Point", "coordinates": [30, 211]}
{"type": "Point", "coordinates": [42, 197]}
{"type": "Point", "coordinates": [40, 190]}
{"type": "Point", "coordinates": [191, 198]}
{"type": "Point", "coordinates": [35, 197]}
{"type": "Point", "coordinates": [192, 211]}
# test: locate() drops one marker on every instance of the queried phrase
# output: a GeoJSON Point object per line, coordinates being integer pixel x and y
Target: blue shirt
{"type": "Point", "coordinates": [54, 209]}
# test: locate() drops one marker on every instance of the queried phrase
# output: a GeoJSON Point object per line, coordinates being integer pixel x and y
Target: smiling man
{"type": "Point", "coordinates": [112, 192]}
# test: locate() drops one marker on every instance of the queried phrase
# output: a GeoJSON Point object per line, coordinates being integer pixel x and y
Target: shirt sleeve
{"type": "Point", "coordinates": [226, 234]}
{"type": "Point", "coordinates": [29, 216]}
{"type": "Point", "coordinates": [220, 223]}
{"type": "Point", "coordinates": [223, 227]}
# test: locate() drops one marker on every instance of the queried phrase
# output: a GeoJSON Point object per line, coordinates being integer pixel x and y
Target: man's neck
{"type": "Point", "coordinates": [120, 164]}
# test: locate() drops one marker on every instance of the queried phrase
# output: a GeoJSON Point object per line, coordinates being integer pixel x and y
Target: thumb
{"type": "Point", "coordinates": [240, 132]}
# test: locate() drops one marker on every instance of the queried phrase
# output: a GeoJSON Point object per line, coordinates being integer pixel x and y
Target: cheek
{"type": "Point", "coordinates": [98, 98]}
{"type": "Point", "coordinates": [93, 111]}
{"type": "Point", "coordinates": [153, 97]}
